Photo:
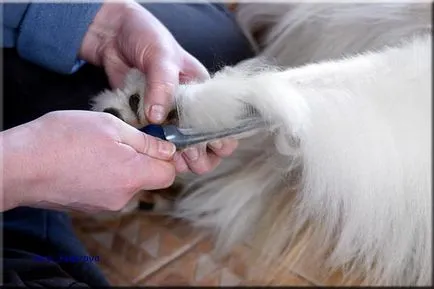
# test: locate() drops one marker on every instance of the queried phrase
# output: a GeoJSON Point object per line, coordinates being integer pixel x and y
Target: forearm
{"type": "Point", "coordinates": [49, 34]}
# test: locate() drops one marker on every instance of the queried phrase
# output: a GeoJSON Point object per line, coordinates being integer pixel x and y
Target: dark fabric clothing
{"type": "Point", "coordinates": [44, 241]}
{"type": "Point", "coordinates": [48, 34]}
{"type": "Point", "coordinates": [39, 244]}
{"type": "Point", "coordinates": [207, 31]}
{"type": "Point", "coordinates": [23, 269]}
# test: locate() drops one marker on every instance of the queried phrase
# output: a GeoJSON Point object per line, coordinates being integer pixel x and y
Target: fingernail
{"type": "Point", "coordinates": [218, 144]}
{"type": "Point", "coordinates": [157, 113]}
{"type": "Point", "coordinates": [192, 153]}
{"type": "Point", "coordinates": [167, 149]}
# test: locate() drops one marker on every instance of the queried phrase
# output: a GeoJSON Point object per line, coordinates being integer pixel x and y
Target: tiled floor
{"type": "Point", "coordinates": [142, 249]}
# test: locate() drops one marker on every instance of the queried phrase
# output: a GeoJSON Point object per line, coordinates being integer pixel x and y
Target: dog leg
{"type": "Point", "coordinates": [360, 127]}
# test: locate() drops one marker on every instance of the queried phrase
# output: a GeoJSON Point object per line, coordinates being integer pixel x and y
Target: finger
{"type": "Point", "coordinates": [152, 174]}
{"type": "Point", "coordinates": [144, 143]}
{"type": "Point", "coordinates": [162, 80]}
{"type": "Point", "coordinates": [223, 148]}
{"type": "Point", "coordinates": [192, 69]}
{"type": "Point", "coordinates": [199, 160]}
{"type": "Point", "coordinates": [180, 164]}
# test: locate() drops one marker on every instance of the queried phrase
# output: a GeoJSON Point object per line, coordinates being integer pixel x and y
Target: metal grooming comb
{"type": "Point", "coordinates": [185, 137]}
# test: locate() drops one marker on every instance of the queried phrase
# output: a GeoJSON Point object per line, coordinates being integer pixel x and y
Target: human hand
{"type": "Point", "coordinates": [82, 160]}
{"type": "Point", "coordinates": [203, 158]}
{"type": "Point", "coordinates": [124, 35]}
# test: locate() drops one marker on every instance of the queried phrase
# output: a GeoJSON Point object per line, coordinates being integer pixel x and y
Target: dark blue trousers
{"type": "Point", "coordinates": [207, 31]}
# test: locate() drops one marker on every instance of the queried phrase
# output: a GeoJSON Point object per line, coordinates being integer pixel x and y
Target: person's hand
{"type": "Point", "coordinates": [203, 158]}
{"type": "Point", "coordinates": [125, 35]}
{"type": "Point", "coordinates": [82, 160]}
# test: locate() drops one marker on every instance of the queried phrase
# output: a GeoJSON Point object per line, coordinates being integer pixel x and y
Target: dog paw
{"type": "Point", "coordinates": [126, 103]}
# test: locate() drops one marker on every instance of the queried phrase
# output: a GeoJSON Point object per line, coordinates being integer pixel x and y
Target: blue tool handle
{"type": "Point", "coordinates": [154, 130]}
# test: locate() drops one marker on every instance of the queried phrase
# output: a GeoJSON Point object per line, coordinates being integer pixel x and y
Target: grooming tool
{"type": "Point", "coordinates": [184, 137]}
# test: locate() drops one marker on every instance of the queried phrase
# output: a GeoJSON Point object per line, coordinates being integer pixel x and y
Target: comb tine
{"type": "Point", "coordinates": [209, 136]}
{"type": "Point", "coordinates": [245, 125]}
{"type": "Point", "coordinates": [183, 138]}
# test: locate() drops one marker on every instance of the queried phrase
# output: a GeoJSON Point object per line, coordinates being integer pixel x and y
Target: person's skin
{"type": "Point", "coordinates": [82, 160]}
{"type": "Point", "coordinates": [93, 161]}
{"type": "Point", "coordinates": [124, 35]}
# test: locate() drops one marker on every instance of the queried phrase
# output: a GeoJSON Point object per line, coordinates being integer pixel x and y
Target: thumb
{"type": "Point", "coordinates": [144, 143]}
{"type": "Point", "coordinates": [162, 79]}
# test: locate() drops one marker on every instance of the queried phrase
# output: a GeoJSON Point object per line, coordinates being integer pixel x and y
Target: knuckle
{"type": "Point", "coordinates": [108, 121]}
{"type": "Point", "coordinates": [163, 49]}
{"type": "Point", "coordinates": [166, 46]}
{"type": "Point", "coordinates": [114, 111]}
{"type": "Point", "coordinates": [109, 124]}
{"type": "Point", "coordinates": [147, 144]}
{"type": "Point", "coordinates": [108, 117]}
{"type": "Point", "coordinates": [165, 87]}
{"type": "Point", "coordinates": [166, 65]}
{"type": "Point", "coordinates": [160, 53]}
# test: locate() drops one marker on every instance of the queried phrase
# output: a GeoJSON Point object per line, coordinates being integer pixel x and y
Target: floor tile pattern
{"type": "Point", "coordinates": [145, 249]}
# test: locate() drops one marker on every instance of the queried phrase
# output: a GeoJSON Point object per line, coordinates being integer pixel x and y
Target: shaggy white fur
{"type": "Point", "coordinates": [119, 99]}
{"type": "Point", "coordinates": [348, 167]}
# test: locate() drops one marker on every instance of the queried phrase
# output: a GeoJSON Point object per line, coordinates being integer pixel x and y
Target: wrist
{"type": "Point", "coordinates": [17, 164]}
{"type": "Point", "coordinates": [103, 29]}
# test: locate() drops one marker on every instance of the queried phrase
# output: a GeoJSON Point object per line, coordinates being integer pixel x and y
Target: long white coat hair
{"type": "Point", "coordinates": [343, 171]}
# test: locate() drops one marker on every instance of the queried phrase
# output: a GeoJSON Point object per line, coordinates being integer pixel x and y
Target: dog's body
{"type": "Point", "coordinates": [344, 172]}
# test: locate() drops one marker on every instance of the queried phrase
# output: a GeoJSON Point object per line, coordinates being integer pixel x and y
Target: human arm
{"type": "Point", "coordinates": [48, 34]}
{"type": "Point", "coordinates": [120, 36]}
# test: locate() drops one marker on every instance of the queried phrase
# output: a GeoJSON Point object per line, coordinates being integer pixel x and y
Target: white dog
{"type": "Point", "coordinates": [344, 171]}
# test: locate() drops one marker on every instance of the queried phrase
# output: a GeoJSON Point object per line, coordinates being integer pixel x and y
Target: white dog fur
{"type": "Point", "coordinates": [344, 172]}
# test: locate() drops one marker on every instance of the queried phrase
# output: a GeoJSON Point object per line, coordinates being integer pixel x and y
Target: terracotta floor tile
{"type": "Point", "coordinates": [113, 277]}
{"type": "Point", "coordinates": [179, 269]}
{"type": "Point", "coordinates": [140, 249]}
